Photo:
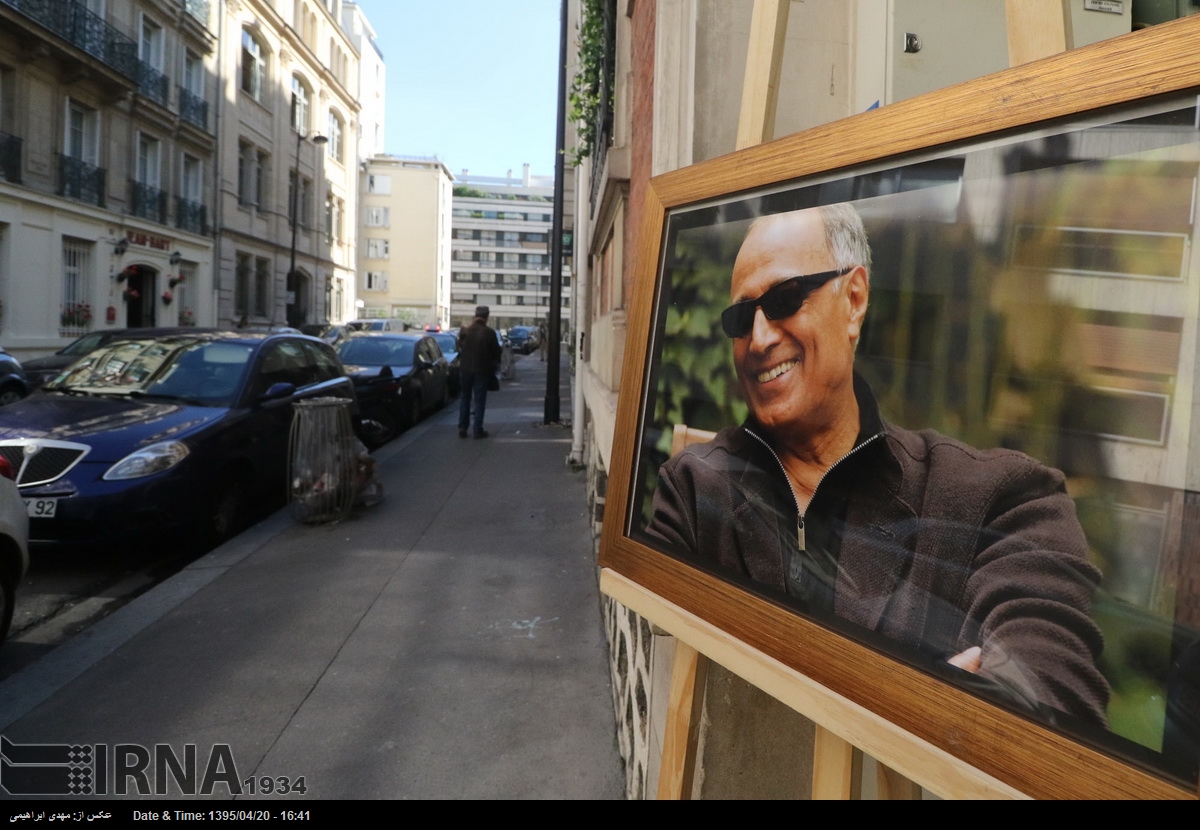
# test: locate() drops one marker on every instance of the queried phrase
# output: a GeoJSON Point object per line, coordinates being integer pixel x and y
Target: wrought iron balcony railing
{"type": "Point", "coordinates": [190, 216]}
{"type": "Point", "coordinates": [10, 158]}
{"type": "Point", "coordinates": [152, 83]}
{"type": "Point", "coordinates": [148, 202]}
{"type": "Point", "coordinates": [80, 180]}
{"type": "Point", "coordinates": [193, 109]}
{"type": "Point", "coordinates": [72, 21]}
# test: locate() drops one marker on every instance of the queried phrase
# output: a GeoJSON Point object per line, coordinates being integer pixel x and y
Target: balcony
{"type": "Point", "coordinates": [198, 9]}
{"type": "Point", "coordinates": [190, 216]}
{"type": "Point", "coordinates": [80, 180]}
{"type": "Point", "coordinates": [10, 158]}
{"type": "Point", "coordinates": [72, 21]}
{"type": "Point", "coordinates": [193, 109]}
{"type": "Point", "coordinates": [148, 202]}
{"type": "Point", "coordinates": [152, 83]}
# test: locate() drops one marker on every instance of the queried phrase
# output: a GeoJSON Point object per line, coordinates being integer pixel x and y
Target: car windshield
{"type": "Point", "coordinates": [84, 345]}
{"type": "Point", "coordinates": [376, 351]}
{"type": "Point", "coordinates": [193, 371]}
{"type": "Point", "coordinates": [447, 342]}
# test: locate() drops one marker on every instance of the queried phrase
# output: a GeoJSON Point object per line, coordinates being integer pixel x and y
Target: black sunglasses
{"type": "Point", "coordinates": [780, 301]}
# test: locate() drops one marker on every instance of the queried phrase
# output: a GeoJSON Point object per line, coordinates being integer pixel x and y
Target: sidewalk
{"type": "Point", "coordinates": [446, 643]}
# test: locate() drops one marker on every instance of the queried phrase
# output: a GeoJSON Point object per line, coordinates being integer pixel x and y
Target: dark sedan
{"type": "Point", "coordinates": [14, 383]}
{"type": "Point", "coordinates": [157, 438]}
{"type": "Point", "coordinates": [397, 377]}
{"type": "Point", "coordinates": [41, 370]}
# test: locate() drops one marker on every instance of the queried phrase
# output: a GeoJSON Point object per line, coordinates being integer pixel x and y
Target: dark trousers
{"type": "Point", "coordinates": [474, 390]}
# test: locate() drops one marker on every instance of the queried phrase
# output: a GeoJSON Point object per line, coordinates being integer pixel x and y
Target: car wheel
{"type": "Point", "coordinates": [388, 427]}
{"type": "Point", "coordinates": [10, 394]}
{"type": "Point", "coordinates": [223, 508]}
{"type": "Point", "coordinates": [412, 412]}
{"type": "Point", "coordinates": [8, 596]}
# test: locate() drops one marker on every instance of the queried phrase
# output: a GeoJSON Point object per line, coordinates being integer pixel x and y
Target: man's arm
{"type": "Point", "coordinates": [1030, 592]}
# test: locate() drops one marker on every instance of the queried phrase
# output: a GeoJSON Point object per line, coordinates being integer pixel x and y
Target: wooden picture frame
{"type": "Point", "coordinates": [1073, 87]}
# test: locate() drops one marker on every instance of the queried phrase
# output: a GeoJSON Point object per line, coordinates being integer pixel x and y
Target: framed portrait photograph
{"type": "Point", "coordinates": [909, 406]}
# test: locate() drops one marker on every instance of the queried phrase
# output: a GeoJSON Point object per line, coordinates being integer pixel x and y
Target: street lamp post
{"type": "Point", "coordinates": [317, 141]}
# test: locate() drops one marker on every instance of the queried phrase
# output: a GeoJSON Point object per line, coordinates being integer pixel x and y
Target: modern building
{"type": "Point", "coordinates": [404, 240]}
{"type": "Point", "coordinates": [288, 190]}
{"type": "Point", "coordinates": [501, 250]}
{"type": "Point", "coordinates": [108, 158]}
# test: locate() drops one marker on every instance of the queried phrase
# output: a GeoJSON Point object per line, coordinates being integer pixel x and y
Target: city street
{"type": "Point", "coordinates": [446, 643]}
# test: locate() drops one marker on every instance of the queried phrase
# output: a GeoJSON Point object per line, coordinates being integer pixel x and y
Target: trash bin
{"type": "Point", "coordinates": [323, 463]}
{"type": "Point", "coordinates": [508, 366]}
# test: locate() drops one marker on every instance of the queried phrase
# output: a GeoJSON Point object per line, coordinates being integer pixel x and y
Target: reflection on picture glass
{"type": "Point", "coordinates": [946, 408]}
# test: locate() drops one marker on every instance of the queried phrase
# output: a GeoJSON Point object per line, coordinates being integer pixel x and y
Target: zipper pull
{"type": "Point", "coordinates": [800, 533]}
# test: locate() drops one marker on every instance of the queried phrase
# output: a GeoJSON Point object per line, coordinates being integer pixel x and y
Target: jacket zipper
{"type": "Point", "coordinates": [795, 501]}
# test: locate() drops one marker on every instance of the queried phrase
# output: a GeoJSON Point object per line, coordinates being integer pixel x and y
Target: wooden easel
{"type": "Point", "coordinates": [1036, 29]}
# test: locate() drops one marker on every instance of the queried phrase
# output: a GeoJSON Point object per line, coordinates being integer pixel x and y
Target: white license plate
{"type": "Point", "coordinates": [41, 508]}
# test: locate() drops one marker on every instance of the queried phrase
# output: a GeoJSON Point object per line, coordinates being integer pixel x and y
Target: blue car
{"type": "Point", "coordinates": [161, 438]}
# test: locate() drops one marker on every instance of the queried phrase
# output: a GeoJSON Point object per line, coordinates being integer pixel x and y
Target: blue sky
{"type": "Point", "coordinates": [470, 81]}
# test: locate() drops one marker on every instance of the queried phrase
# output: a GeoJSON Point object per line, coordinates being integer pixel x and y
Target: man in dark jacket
{"type": "Point", "coordinates": [479, 357]}
{"type": "Point", "coordinates": [971, 556]}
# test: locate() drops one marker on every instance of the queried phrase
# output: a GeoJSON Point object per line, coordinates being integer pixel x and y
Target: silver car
{"type": "Point", "coordinates": [14, 544]}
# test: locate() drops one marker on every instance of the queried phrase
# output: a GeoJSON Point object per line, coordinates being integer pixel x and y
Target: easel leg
{"type": "Point", "coordinates": [678, 769]}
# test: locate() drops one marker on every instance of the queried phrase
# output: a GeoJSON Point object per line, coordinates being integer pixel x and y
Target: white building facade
{"type": "Point", "coordinates": [288, 189]}
{"type": "Point", "coordinates": [107, 155]}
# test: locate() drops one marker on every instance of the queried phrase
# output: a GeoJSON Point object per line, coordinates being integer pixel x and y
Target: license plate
{"type": "Point", "coordinates": [41, 508]}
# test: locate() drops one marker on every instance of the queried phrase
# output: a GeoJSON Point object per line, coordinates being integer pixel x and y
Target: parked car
{"type": "Point", "coordinates": [397, 378]}
{"type": "Point", "coordinates": [524, 339]}
{"type": "Point", "coordinates": [39, 370]}
{"type": "Point", "coordinates": [14, 383]}
{"type": "Point", "coordinates": [448, 342]}
{"type": "Point", "coordinates": [14, 544]}
{"type": "Point", "coordinates": [160, 437]}
{"type": "Point", "coordinates": [378, 324]}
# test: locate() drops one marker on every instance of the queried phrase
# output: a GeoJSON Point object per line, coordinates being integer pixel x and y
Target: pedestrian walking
{"type": "Point", "coordinates": [479, 352]}
{"type": "Point", "coordinates": [541, 343]}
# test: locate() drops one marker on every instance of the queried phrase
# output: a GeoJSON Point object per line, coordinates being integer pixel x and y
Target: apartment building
{"type": "Point", "coordinates": [404, 240]}
{"type": "Point", "coordinates": [501, 250]}
{"type": "Point", "coordinates": [107, 163]}
{"type": "Point", "coordinates": [288, 188]}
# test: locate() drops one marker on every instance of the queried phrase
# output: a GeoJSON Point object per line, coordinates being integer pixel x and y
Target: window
{"type": "Point", "coordinates": [305, 202]}
{"type": "Point", "coordinates": [187, 276]}
{"type": "Point", "coordinates": [335, 210]}
{"type": "Point", "coordinates": [148, 160]}
{"type": "Point", "coordinates": [245, 173]}
{"type": "Point", "coordinates": [193, 74]}
{"type": "Point", "coordinates": [76, 316]}
{"type": "Point", "coordinates": [192, 173]}
{"type": "Point", "coordinates": [379, 184]}
{"type": "Point", "coordinates": [254, 66]}
{"type": "Point", "coordinates": [262, 287]}
{"type": "Point", "coordinates": [377, 249]}
{"type": "Point", "coordinates": [81, 141]}
{"type": "Point", "coordinates": [241, 288]}
{"type": "Point", "coordinates": [150, 49]}
{"type": "Point", "coordinates": [377, 217]}
{"type": "Point", "coordinates": [335, 136]}
{"type": "Point", "coordinates": [376, 281]}
{"type": "Point", "coordinates": [262, 182]}
{"type": "Point", "coordinates": [300, 105]}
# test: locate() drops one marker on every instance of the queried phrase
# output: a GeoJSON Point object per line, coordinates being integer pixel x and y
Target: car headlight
{"type": "Point", "coordinates": [148, 461]}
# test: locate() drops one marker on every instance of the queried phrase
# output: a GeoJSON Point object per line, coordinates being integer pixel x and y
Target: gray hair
{"type": "Point", "coordinates": [845, 236]}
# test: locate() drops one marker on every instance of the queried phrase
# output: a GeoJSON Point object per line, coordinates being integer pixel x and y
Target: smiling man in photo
{"type": "Point", "coordinates": [971, 556]}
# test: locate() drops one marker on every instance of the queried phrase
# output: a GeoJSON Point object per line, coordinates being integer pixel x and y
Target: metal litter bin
{"type": "Point", "coordinates": [323, 461]}
{"type": "Point", "coordinates": [508, 366]}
